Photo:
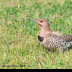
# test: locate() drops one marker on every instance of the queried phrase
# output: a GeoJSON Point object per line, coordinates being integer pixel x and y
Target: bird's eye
{"type": "Point", "coordinates": [41, 21]}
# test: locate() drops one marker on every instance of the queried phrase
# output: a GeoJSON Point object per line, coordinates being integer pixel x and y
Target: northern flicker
{"type": "Point", "coordinates": [50, 39]}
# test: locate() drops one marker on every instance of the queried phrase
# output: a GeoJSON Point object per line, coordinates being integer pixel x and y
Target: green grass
{"type": "Point", "coordinates": [19, 46]}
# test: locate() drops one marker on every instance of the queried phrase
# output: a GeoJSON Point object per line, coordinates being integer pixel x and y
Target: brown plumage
{"type": "Point", "coordinates": [50, 39]}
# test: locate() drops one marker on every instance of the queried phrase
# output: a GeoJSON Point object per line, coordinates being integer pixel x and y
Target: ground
{"type": "Point", "coordinates": [19, 45]}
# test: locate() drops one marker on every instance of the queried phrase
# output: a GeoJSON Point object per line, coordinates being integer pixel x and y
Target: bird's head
{"type": "Point", "coordinates": [43, 23]}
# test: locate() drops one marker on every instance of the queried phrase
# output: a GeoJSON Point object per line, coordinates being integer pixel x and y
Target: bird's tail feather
{"type": "Point", "coordinates": [71, 43]}
{"type": "Point", "coordinates": [67, 45]}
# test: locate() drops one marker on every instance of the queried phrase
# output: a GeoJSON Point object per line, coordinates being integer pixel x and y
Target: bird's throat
{"type": "Point", "coordinates": [44, 32]}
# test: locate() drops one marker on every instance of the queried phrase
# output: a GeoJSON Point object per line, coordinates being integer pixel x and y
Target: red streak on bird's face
{"type": "Point", "coordinates": [40, 24]}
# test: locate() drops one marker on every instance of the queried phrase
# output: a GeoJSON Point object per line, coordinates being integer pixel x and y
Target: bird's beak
{"type": "Point", "coordinates": [33, 20]}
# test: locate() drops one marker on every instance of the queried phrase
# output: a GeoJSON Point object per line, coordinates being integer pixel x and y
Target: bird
{"type": "Point", "coordinates": [50, 39]}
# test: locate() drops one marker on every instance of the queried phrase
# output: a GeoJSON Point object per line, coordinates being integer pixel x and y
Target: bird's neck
{"type": "Point", "coordinates": [44, 31]}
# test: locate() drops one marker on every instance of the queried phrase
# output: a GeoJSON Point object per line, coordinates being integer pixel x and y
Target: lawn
{"type": "Point", "coordinates": [19, 45]}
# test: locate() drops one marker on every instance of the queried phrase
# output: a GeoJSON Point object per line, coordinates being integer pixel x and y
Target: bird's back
{"type": "Point", "coordinates": [59, 36]}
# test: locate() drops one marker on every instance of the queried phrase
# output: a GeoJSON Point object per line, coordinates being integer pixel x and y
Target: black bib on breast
{"type": "Point", "coordinates": [40, 38]}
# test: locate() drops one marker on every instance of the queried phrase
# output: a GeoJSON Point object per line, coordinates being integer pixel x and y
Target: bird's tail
{"type": "Point", "coordinates": [71, 43]}
{"type": "Point", "coordinates": [68, 44]}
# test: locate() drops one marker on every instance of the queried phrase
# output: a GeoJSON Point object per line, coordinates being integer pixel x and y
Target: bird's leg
{"type": "Point", "coordinates": [51, 50]}
{"type": "Point", "coordinates": [61, 51]}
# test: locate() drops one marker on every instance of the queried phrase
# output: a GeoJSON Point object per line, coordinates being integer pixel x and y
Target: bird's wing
{"type": "Point", "coordinates": [61, 37]}
{"type": "Point", "coordinates": [58, 41]}
{"type": "Point", "coordinates": [67, 38]}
